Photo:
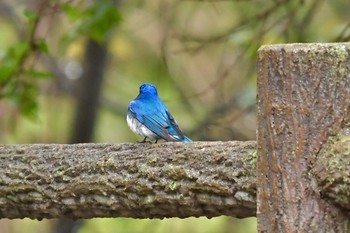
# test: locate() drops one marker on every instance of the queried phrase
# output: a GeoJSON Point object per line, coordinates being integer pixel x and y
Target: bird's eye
{"type": "Point", "coordinates": [142, 86]}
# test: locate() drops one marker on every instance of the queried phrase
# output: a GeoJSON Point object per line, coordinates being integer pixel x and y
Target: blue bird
{"type": "Point", "coordinates": [149, 117]}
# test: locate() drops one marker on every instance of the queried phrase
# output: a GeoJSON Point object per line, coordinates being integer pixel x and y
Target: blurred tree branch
{"type": "Point", "coordinates": [243, 23]}
{"type": "Point", "coordinates": [344, 35]}
{"type": "Point", "coordinates": [219, 112]}
{"type": "Point", "coordinates": [17, 72]}
{"type": "Point", "coordinates": [92, 20]}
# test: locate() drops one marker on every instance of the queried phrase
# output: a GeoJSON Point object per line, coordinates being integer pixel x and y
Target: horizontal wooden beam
{"type": "Point", "coordinates": [148, 180]}
{"type": "Point", "coordinates": [130, 180]}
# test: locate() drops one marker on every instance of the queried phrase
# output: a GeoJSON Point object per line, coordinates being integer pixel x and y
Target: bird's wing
{"type": "Point", "coordinates": [155, 117]}
{"type": "Point", "coordinates": [151, 115]}
{"type": "Point", "coordinates": [175, 127]}
{"type": "Point", "coordinates": [157, 124]}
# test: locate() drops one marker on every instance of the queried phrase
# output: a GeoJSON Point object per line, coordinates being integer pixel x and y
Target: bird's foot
{"type": "Point", "coordinates": [144, 141]}
{"type": "Point", "coordinates": [149, 142]}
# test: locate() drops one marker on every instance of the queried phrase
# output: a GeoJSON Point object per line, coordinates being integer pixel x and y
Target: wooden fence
{"type": "Point", "coordinates": [295, 178]}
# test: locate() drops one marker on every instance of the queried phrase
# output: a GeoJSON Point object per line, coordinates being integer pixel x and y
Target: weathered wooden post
{"type": "Point", "coordinates": [303, 104]}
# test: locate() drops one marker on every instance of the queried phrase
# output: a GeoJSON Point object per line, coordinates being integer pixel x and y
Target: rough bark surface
{"type": "Point", "coordinates": [303, 99]}
{"type": "Point", "coordinates": [131, 180]}
{"type": "Point", "coordinates": [332, 169]}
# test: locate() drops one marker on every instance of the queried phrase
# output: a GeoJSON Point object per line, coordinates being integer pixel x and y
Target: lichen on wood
{"type": "Point", "coordinates": [332, 169]}
{"type": "Point", "coordinates": [303, 99]}
{"type": "Point", "coordinates": [128, 179]}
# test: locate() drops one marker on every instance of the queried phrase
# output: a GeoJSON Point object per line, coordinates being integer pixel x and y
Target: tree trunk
{"type": "Point", "coordinates": [89, 93]}
{"type": "Point", "coordinates": [303, 100]}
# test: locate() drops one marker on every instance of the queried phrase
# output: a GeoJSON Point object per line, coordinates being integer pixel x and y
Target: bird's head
{"type": "Point", "coordinates": [148, 88]}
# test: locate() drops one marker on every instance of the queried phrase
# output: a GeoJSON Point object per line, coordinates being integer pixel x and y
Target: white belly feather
{"type": "Point", "coordinates": [140, 129]}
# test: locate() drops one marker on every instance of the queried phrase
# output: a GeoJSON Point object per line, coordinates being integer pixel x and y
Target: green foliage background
{"type": "Point", "coordinates": [200, 54]}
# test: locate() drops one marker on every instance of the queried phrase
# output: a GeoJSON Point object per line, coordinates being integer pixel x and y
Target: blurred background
{"type": "Point", "coordinates": [69, 68]}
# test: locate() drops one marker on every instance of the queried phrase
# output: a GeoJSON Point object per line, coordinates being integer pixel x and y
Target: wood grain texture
{"type": "Point", "coordinates": [129, 180]}
{"type": "Point", "coordinates": [303, 99]}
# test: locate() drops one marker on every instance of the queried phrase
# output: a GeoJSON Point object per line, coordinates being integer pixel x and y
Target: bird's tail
{"type": "Point", "coordinates": [186, 139]}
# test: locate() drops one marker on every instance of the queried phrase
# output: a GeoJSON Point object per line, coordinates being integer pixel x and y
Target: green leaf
{"type": "Point", "coordinates": [39, 74]}
{"type": "Point", "coordinates": [42, 46]}
{"type": "Point", "coordinates": [18, 50]}
{"type": "Point", "coordinates": [25, 97]}
{"type": "Point", "coordinates": [95, 21]}
{"type": "Point", "coordinates": [102, 18]}
{"type": "Point", "coordinates": [72, 12]}
{"type": "Point", "coordinates": [31, 15]}
{"type": "Point", "coordinates": [12, 59]}
{"type": "Point", "coordinates": [6, 71]}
